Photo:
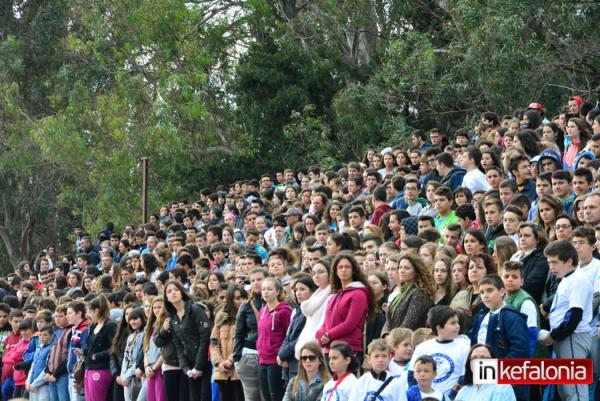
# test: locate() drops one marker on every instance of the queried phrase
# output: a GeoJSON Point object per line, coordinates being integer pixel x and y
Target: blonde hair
{"type": "Point", "coordinates": [420, 335]}
{"type": "Point", "coordinates": [379, 345]}
{"type": "Point", "coordinates": [399, 334]}
{"type": "Point", "coordinates": [278, 286]}
{"type": "Point", "coordinates": [313, 347]}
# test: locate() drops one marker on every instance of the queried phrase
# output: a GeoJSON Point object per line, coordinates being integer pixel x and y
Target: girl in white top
{"type": "Point", "coordinates": [342, 363]}
{"type": "Point", "coordinates": [314, 307]}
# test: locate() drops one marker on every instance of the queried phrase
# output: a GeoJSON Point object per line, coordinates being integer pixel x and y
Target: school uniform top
{"type": "Point", "coordinates": [574, 292]}
{"type": "Point", "coordinates": [339, 389]}
{"type": "Point", "coordinates": [366, 387]}
{"type": "Point", "coordinates": [450, 357]}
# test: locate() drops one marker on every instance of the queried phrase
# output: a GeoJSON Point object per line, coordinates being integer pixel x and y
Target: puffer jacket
{"type": "Point", "coordinates": [191, 336]}
{"type": "Point", "coordinates": [221, 347]}
{"type": "Point", "coordinates": [246, 327]}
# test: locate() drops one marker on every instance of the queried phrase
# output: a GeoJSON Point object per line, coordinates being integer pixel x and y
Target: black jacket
{"type": "Point", "coordinates": [164, 339]}
{"type": "Point", "coordinates": [287, 352]}
{"type": "Point", "coordinates": [535, 267]}
{"type": "Point", "coordinates": [191, 336]}
{"type": "Point", "coordinates": [246, 328]}
{"type": "Point", "coordinates": [98, 346]}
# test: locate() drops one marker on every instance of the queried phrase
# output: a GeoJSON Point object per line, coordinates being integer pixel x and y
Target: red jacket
{"type": "Point", "coordinates": [12, 357]}
{"type": "Point", "coordinates": [345, 316]}
{"type": "Point", "coordinates": [9, 343]}
{"type": "Point", "coordinates": [272, 326]}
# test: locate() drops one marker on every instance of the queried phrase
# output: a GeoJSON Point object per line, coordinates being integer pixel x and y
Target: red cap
{"type": "Point", "coordinates": [577, 99]}
{"type": "Point", "coordinates": [535, 106]}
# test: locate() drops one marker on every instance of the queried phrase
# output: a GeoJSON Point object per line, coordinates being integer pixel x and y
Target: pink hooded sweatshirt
{"type": "Point", "coordinates": [272, 327]}
{"type": "Point", "coordinates": [345, 316]}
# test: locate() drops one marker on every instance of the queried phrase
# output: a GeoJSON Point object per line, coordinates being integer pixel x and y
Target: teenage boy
{"type": "Point", "coordinates": [379, 203]}
{"type": "Point", "coordinates": [448, 349]}
{"type": "Point", "coordinates": [570, 313]}
{"type": "Point", "coordinates": [425, 372]}
{"type": "Point", "coordinates": [56, 369]}
{"type": "Point", "coordinates": [584, 241]}
{"type": "Point", "coordinates": [452, 176]}
{"type": "Point", "coordinates": [474, 179]}
{"type": "Point", "coordinates": [501, 326]}
{"type": "Point", "coordinates": [36, 383]}
{"type": "Point", "coordinates": [453, 237]}
{"type": "Point", "coordinates": [493, 220]}
{"type": "Point", "coordinates": [508, 190]}
{"type": "Point", "coordinates": [443, 204]}
{"type": "Point", "coordinates": [467, 217]}
{"type": "Point", "coordinates": [543, 186]}
{"type": "Point", "coordinates": [379, 384]}
{"type": "Point", "coordinates": [411, 196]}
{"type": "Point", "coordinates": [563, 190]}
{"type": "Point", "coordinates": [520, 299]}
{"type": "Point", "coordinates": [519, 168]}
{"type": "Point", "coordinates": [583, 181]}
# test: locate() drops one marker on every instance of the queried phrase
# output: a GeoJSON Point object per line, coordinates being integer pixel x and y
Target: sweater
{"type": "Point", "coordinates": [345, 316]}
{"type": "Point", "coordinates": [272, 326]}
{"type": "Point", "coordinates": [411, 312]}
{"type": "Point", "coordinates": [314, 310]}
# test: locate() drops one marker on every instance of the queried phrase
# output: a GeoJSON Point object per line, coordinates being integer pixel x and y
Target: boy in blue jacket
{"type": "Point", "coordinates": [36, 385]}
{"type": "Point", "coordinates": [501, 326]}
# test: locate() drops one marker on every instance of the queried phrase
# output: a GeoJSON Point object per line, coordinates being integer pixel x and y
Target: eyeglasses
{"type": "Point", "coordinates": [306, 358]}
{"type": "Point", "coordinates": [562, 226]}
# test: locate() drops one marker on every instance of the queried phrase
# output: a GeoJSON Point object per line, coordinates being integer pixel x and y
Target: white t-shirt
{"type": "Point", "coordinates": [438, 395]}
{"type": "Point", "coordinates": [367, 385]}
{"type": "Point", "coordinates": [342, 391]}
{"type": "Point", "coordinates": [475, 181]}
{"type": "Point", "coordinates": [592, 269]}
{"type": "Point", "coordinates": [483, 328]}
{"type": "Point", "coordinates": [574, 291]}
{"type": "Point", "coordinates": [450, 358]}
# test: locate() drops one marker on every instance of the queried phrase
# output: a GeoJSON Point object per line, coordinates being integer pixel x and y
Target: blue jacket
{"type": "Point", "coordinates": [529, 190]}
{"type": "Point", "coordinates": [79, 337]}
{"type": "Point", "coordinates": [40, 358]}
{"type": "Point", "coordinates": [414, 394]}
{"type": "Point", "coordinates": [454, 178]}
{"type": "Point", "coordinates": [507, 332]}
{"type": "Point", "coordinates": [508, 336]}
{"type": "Point", "coordinates": [287, 350]}
{"type": "Point", "coordinates": [398, 201]}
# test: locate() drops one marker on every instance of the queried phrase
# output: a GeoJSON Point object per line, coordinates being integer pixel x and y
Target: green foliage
{"type": "Point", "coordinates": [216, 91]}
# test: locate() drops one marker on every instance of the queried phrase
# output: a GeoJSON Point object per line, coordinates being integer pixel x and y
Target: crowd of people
{"type": "Point", "coordinates": [380, 279]}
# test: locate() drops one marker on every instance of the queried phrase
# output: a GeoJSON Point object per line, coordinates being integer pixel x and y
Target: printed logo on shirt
{"type": "Point", "coordinates": [371, 397]}
{"type": "Point", "coordinates": [444, 363]}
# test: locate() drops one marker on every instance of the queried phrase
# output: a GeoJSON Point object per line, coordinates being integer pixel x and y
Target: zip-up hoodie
{"type": "Point", "coordinates": [272, 326]}
{"type": "Point", "coordinates": [345, 316]}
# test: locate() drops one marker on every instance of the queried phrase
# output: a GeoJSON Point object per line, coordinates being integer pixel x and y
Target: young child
{"type": "Point", "coordinates": [420, 335]}
{"type": "Point", "coordinates": [400, 339]}
{"type": "Point", "coordinates": [571, 311]}
{"type": "Point", "coordinates": [342, 364]}
{"type": "Point", "coordinates": [36, 384]}
{"type": "Point", "coordinates": [425, 372]}
{"type": "Point", "coordinates": [520, 299]}
{"type": "Point", "coordinates": [501, 327]}
{"type": "Point", "coordinates": [379, 384]}
{"type": "Point", "coordinates": [448, 349]}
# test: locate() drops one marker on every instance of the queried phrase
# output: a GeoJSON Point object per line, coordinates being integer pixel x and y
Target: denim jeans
{"type": "Point", "coordinates": [59, 391]}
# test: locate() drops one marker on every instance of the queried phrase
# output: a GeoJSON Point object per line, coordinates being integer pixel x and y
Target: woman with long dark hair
{"type": "Point", "coordinates": [153, 360]}
{"type": "Point", "coordinates": [191, 332]}
{"type": "Point", "coordinates": [349, 305]}
{"type": "Point", "coordinates": [98, 376]}
{"type": "Point", "coordinates": [133, 347]}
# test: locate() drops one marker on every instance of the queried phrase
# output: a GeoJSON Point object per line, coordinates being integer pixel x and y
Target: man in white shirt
{"type": "Point", "coordinates": [474, 179]}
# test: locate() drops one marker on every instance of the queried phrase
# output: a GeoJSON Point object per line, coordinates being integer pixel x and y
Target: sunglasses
{"type": "Point", "coordinates": [307, 358]}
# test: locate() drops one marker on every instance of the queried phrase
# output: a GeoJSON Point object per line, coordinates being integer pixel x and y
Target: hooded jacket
{"type": "Point", "coordinates": [454, 178]}
{"type": "Point", "coordinates": [272, 327]}
{"type": "Point", "coordinates": [583, 154]}
{"type": "Point", "coordinates": [345, 316]}
{"type": "Point", "coordinates": [554, 155]}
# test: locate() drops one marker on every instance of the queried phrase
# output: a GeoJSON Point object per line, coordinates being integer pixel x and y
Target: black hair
{"type": "Point", "coordinates": [564, 250]}
{"type": "Point", "coordinates": [439, 316]}
{"type": "Point", "coordinates": [492, 279]}
{"type": "Point", "coordinates": [427, 360]}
